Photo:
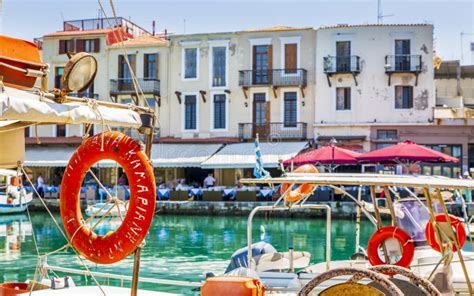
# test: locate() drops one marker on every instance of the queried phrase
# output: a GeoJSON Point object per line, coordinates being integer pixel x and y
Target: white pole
{"type": "Point", "coordinates": [1, 15]}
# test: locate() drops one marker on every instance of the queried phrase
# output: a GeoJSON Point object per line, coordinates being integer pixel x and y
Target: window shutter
{"type": "Point", "coordinates": [120, 66]}
{"type": "Point", "coordinates": [79, 45]}
{"type": "Point", "coordinates": [62, 46]}
{"type": "Point", "coordinates": [97, 45]}
{"type": "Point", "coordinates": [291, 58]}
{"type": "Point", "coordinates": [132, 62]}
{"type": "Point", "coordinates": [157, 66]}
{"type": "Point", "coordinates": [270, 65]}
{"type": "Point", "coordinates": [145, 66]}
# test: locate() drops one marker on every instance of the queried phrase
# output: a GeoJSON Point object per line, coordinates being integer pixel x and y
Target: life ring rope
{"type": "Point", "coordinates": [404, 239]}
{"type": "Point", "coordinates": [456, 224]}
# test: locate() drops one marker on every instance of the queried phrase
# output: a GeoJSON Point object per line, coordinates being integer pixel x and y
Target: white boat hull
{"type": "Point", "coordinates": [16, 206]}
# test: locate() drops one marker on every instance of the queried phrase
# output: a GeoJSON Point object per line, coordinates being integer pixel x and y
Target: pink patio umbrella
{"type": "Point", "coordinates": [405, 153]}
{"type": "Point", "coordinates": [326, 155]}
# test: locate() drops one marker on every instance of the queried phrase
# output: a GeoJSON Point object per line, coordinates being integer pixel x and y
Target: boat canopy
{"type": "Point", "coordinates": [19, 105]}
{"type": "Point", "coordinates": [366, 180]}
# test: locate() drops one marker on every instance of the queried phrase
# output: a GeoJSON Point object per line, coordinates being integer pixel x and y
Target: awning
{"type": "Point", "coordinates": [342, 138]}
{"type": "Point", "coordinates": [41, 156]}
{"type": "Point", "coordinates": [242, 155]}
{"type": "Point", "coordinates": [166, 155]}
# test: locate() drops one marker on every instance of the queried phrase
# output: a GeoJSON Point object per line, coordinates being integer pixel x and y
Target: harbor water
{"type": "Point", "coordinates": [177, 247]}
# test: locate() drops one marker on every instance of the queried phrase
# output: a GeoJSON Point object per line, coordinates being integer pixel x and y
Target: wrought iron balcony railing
{"type": "Point", "coordinates": [403, 63]}
{"type": "Point", "coordinates": [125, 86]}
{"type": "Point", "coordinates": [273, 130]}
{"type": "Point", "coordinates": [85, 94]}
{"type": "Point", "coordinates": [274, 77]}
{"type": "Point", "coordinates": [341, 64]}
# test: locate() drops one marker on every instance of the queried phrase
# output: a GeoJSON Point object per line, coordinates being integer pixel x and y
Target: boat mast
{"type": "Point", "coordinates": [148, 122]}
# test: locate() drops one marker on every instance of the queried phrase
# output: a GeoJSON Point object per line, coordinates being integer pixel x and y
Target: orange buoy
{"type": "Point", "coordinates": [458, 229]}
{"type": "Point", "coordinates": [302, 190]}
{"type": "Point", "coordinates": [117, 245]}
{"type": "Point", "coordinates": [406, 242]}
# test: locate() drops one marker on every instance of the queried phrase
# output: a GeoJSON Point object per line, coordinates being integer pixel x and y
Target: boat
{"type": "Point", "coordinates": [26, 100]}
{"type": "Point", "coordinates": [14, 198]}
{"type": "Point", "coordinates": [443, 270]}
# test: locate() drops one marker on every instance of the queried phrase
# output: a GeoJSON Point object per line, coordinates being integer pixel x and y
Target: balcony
{"type": "Point", "coordinates": [104, 23]}
{"type": "Point", "coordinates": [124, 86]}
{"type": "Point", "coordinates": [341, 65]}
{"type": "Point", "coordinates": [89, 95]}
{"type": "Point", "coordinates": [273, 130]}
{"type": "Point", "coordinates": [273, 77]}
{"type": "Point", "coordinates": [403, 63]}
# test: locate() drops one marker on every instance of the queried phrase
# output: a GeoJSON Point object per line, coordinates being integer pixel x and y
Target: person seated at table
{"type": "Point", "coordinates": [122, 180]}
{"type": "Point", "coordinates": [181, 185]}
{"type": "Point", "coordinates": [209, 181]}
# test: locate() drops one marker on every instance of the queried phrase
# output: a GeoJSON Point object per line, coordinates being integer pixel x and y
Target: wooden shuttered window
{"type": "Point", "coordinates": [150, 66]}
{"type": "Point", "coordinates": [88, 45]}
{"type": "Point", "coordinates": [80, 45]}
{"type": "Point", "coordinates": [66, 46]}
{"type": "Point", "coordinates": [291, 57]}
{"type": "Point", "coordinates": [97, 45]}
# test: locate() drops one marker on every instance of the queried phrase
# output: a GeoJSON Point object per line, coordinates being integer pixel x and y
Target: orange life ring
{"type": "Point", "coordinates": [458, 230]}
{"type": "Point", "coordinates": [302, 190]}
{"type": "Point", "coordinates": [407, 243]}
{"type": "Point", "coordinates": [117, 245]}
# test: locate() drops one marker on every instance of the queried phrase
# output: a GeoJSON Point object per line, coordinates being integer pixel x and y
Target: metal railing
{"type": "Point", "coordinates": [103, 23]}
{"type": "Point", "coordinates": [403, 63]}
{"type": "Point", "coordinates": [85, 94]}
{"type": "Point", "coordinates": [281, 130]}
{"type": "Point", "coordinates": [125, 86]}
{"type": "Point", "coordinates": [342, 64]}
{"type": "Point", "coordinates": [275, 77]}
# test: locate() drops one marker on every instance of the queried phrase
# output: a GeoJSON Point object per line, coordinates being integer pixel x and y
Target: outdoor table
{"type": "Point", "coordinates": [266, 194]}
{"type": "Point", "coordinates": [163, 194]}
{"type": "Point", "coordinates": [197, 192]}
{"type": "Point", "coordinates": [229, 193]}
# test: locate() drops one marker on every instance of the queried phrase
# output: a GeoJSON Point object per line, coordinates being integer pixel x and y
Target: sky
{"type": "Point", "coordinates": [28, 19]}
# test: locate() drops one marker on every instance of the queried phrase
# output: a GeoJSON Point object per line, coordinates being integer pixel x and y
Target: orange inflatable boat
{"type": "Point", "coordinates": [20, 62]}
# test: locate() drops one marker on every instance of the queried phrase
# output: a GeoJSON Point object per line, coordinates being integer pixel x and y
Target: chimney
{"type": "Point", "coordinates": [153, 28]}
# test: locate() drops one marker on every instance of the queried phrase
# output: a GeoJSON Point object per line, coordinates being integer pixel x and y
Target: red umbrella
{"type": "Point", "coordinates": [326, 155]}
{"type": "Point", "coordinates": [405, 152]}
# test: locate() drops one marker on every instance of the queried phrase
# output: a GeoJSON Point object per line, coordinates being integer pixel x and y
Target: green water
{"type": "Point", "coordinates": [177, 247]}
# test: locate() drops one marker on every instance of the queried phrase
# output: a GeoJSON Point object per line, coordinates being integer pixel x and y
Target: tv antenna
{"type": "Point", "coordinates": [380, 15]}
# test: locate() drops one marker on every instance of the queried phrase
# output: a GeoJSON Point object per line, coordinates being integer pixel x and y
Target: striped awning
{"type": "Point", "coordinates": [242, 155]}
{"type": "Point", "coordinates": [54, 156]}
{"type": "Point", "coordinates": [167, 155]}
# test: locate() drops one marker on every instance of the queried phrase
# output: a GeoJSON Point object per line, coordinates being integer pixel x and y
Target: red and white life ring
{"type": "Point", "coordinates": [406, 242]}
{"type": "Point", "coordinates": [458, 229]}
{"type": "Point", "coordinates": [117, 245]}
{"type": "Point", "coordinates": [302, 190]}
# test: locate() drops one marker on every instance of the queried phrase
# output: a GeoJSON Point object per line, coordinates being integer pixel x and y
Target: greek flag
{"type": "Point", "coordinates": [258, 171]}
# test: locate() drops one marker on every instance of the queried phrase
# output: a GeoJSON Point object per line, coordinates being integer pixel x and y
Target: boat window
{"type": "Point", "coordinates": [413, 217]}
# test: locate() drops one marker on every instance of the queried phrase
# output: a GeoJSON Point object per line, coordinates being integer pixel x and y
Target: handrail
{"type": "Point", "coordinates": [285, 208]}
{"type": "Point", "coordinates": [120, 277]}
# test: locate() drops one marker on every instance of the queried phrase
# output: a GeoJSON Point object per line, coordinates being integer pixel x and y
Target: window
{"type": "Point", "coordinates": [290, 109]}
{"type": "Point", "coordinates": [27, 132]}
{"type": "Point", "coordinates": [60, 130]}
{"type": "Point", "coordinates": [219, 111]}
{"type": "Point", "coordinates": [343, 56]}
{"type": "Point", "coordinates": [190, 112]}
{"type": "Point", "coordinates": [343, 98]}
{"type": "Point", "coordinates": [382, 145]}
{"type": "Point", "coordinates": [151, 102]}
{"type": "Point", "coordinates": [58, 75]}
{"type": "Point", "coordinates": [403, 97]}
{"type": "Point", "coordinates": [387, 134]}
{"type": "Point", "coordinates": [126, 101]}
{"type": "Point", "coordinates": [402, 55]}
{"type": "Point", "coordinates": [124, 71]}
{"type": "Point", "coordinates": [190, 63]}
{"type": "Point", "coordinates": [66, 46]}
{"type": "Point", "coordinates": [150, 69]}
{"type": "Point", "coordinates": [219, 66]}
{"type": "Point", "coordinates": [88, 45]}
